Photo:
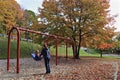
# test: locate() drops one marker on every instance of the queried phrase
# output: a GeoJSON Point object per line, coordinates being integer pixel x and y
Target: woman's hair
{"type": "Point", "coordinates": [45, 45]}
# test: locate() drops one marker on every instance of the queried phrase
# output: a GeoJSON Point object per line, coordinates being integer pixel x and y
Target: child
{"type": "Point", "coordinates": [36, 56]}
{"type": "Point", "coordinates": [37, 53]}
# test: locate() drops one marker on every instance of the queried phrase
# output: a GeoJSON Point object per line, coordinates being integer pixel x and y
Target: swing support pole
{"type": "Point", "coordinates": [18, 49]}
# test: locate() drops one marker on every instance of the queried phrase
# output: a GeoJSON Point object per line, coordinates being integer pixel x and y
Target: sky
{"type": "Point", "coordinates": [34, 4]}
{"type": "Point", "coordinates": [30, 4]}
{"type": "Point", "coordinates": [115, 9]}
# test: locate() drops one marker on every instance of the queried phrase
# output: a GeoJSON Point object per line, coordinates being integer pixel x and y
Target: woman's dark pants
{"type": "Point", "coordinates": [47, 65]}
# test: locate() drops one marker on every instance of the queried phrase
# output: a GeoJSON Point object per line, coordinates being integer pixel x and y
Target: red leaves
{"type": "Point", "coordinates": [84, 69]}
{"type": "Point", "coordinates": [106, 46]}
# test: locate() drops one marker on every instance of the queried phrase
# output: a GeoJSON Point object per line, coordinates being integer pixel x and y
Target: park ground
{"type": "Point", "coordinates": [86, 68]}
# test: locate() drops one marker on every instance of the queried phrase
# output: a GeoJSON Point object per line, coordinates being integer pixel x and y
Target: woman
{"type": "Point", "coordinates": [46, 55]}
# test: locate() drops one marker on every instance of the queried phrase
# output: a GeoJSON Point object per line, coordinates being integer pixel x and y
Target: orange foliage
{"type": "Point", "coordinates": [106, 46]}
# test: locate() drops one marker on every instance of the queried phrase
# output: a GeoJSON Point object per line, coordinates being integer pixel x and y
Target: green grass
{"type": "Point", "coordinates": [3, 48]}
{"type": "Point", "coordinates": [62, 52]}
{"type": "Point", "coordinates": [26, 48]}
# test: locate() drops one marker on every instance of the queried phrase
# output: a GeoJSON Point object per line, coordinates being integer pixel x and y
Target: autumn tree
{"type": "Point", "coordinates": [10, 14]}
{"type": "Point", "coordinates": [105, 36]}
{"type": "Point", "coordinates": [79, 20]}
{"type": "Point", "coordinates": [28, 18]}
{"type": "Point", "coordinates": [117, 43]}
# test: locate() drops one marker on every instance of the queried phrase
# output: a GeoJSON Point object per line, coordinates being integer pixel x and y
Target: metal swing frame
{"type": "Point", "coordinates": [18, 29]}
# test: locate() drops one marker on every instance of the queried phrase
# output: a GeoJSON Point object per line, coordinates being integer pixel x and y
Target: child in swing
{"type": "Point", "coordinates": [36, 56]}
{"type": "Point", "coordinates": [37, 53]}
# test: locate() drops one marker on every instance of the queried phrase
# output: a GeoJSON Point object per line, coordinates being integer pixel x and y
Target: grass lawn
{"type": "Point", "coordinates": [62, 52]}
{"type": "Point", "coordinates": [27, 48]}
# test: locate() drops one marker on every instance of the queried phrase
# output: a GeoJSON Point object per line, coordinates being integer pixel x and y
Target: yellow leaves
{"type": "Point", "coordinates": [51, 6]}
{"type": "Point", "coordinates": [10, 12]}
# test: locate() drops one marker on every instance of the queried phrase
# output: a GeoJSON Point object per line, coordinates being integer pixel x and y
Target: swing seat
{"type": "Point", "coordinates": [35, 57]}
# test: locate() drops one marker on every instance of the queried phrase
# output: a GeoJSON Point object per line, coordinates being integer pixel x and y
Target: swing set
{"type": "Point", "coordinates": [18, 29]}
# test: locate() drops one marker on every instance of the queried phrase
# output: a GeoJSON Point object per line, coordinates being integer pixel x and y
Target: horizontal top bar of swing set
{"type": "Point", "coordinates": [38, 32]}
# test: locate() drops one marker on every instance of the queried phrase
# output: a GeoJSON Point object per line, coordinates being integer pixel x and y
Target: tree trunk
{"type": "Point", "coordinates": [76, 50]}
{"type": "Point", "coordinates": [101, 53]}
{"type": "Point", "coordinates": [78, 47]}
